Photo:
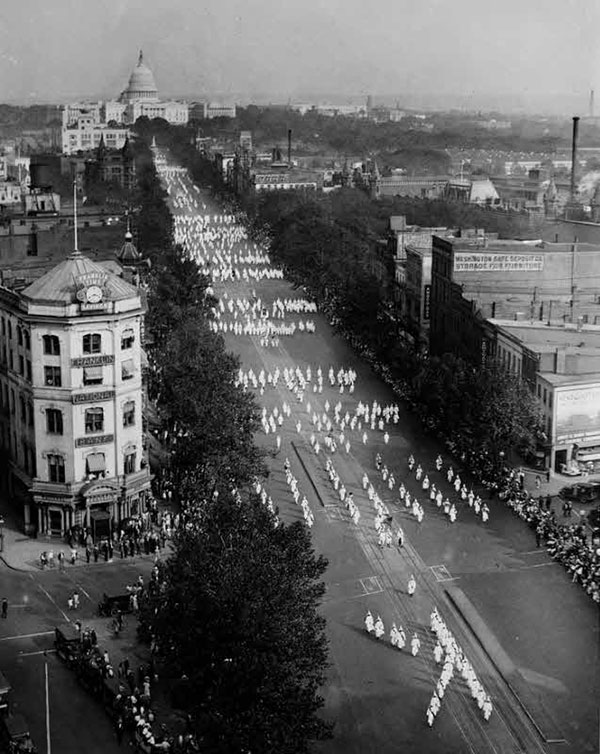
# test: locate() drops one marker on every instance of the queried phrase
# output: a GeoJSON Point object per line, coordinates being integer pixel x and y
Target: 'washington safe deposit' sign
{"type": "Point", "coordinates": [465, 262]}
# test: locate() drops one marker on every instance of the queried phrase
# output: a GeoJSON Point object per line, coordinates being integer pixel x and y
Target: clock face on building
{"type": "Point", "coordinates": [93, 294]}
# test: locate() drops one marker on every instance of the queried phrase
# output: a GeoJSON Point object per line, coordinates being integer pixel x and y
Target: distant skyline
{"type": "Point", "coordinates": [529, 55]}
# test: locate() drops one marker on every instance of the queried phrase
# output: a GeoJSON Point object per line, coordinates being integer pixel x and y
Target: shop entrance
{"type": "Point", "coordinates": [560, 461]}
{"type": "Point", "coordinates": [100, 524]}
{"type": "Point", "coordinates": [55, 523]}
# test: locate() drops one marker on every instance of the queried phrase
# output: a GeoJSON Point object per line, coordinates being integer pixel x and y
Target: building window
{"type": "Point", "coordinates": [56, 468]}
{"type": "Point", "coordinates": [51, 345]}
{"type": "Point", "coordinates": [22, 409]}
{"type": "Point", "coordinates": [95, 465]}
{"type": "Point", "coordinates": [11, 359]}
{"type": "Point", "coordinates": [92, 376]}
{"type": "Point", "coordinates": [94, 420]}
{"type": "Point", "coordinates": [129, 414]}
{"type": "Point", "coordinates": [539, 391]}
{"type": "Point", "coordinates": [19, 336]}
{"type": "Point", "coordinates": [127, 370]}
{"type": "Point", "coordinates": [28, 370]}
{"type": "Point", "coordinates": [30, 413]}
{"type": "Point", "coordinates": [27, 340]}
{"type": "Point", "coordinates": [545, 396]}
{"type": "Point", "coordinates": [9, 329]}
{"type": "Point", "coordinates": [52, 376]}
{"type": "Point", "coordinates": [92, 343]}
{"type": "Point", "coordinates": [21, 365]}
{"type": "Point", "coordinates": [129, 463]}
{"type": "Point", "coordinates": [127, 339]}
{"type": "Point", "coordinates": [54, 421]}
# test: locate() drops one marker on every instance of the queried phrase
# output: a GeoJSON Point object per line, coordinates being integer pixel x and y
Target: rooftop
{"type": "Point", "coordinates": [60, 285]}
{"type": "Point", "coordinates": [542, 338]}
{"type": "Point", "coordinates": [559, 380]}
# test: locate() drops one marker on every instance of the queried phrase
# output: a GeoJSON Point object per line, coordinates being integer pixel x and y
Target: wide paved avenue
{"type": "Point", "coordinates": [530, 634]}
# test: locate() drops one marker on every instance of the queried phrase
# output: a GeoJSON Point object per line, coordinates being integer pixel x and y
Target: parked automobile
{"type": "Point", "coordinates": [111, 604]}
{"type": "Point", "coordinates": [5, 689]}
{"type": "Point", "coordinates": [15, 736]}
{"type": "Point", "coordinates": [581, 492]}
{"type": "Point", "coordinates": [67, 643]}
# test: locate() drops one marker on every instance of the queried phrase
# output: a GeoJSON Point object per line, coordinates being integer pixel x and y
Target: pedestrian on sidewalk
{"type": "Point", "coordinates": [4, 607]}
{"type": "Point", "coordinates": [61, 561]}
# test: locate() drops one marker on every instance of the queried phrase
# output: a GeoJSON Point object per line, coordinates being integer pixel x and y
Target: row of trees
{"type": "Point", "coordinates": [234, 616]}
{"type": "Point", "coordinates": [325, 243]}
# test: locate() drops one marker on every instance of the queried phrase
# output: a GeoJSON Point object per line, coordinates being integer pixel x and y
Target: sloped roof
{"type": "Point", "coordinates": [59, 285]}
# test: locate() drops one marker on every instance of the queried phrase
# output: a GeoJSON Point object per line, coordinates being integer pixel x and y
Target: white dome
{"type": "Point", "coordinates": [141, 83]}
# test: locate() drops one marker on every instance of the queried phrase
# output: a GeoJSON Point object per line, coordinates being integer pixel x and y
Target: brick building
{"type": "Point", "coordinates": [474, 279]}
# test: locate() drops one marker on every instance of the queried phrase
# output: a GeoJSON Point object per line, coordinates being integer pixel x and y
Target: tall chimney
{"type": "Point", "coordinates": [591, 103]}
{"type": "Point", "coordinates": [290, 147]}
{"type": "Point", "coordinates": [574, 155]}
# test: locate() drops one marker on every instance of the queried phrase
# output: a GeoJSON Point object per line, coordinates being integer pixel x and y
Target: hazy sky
{"type": "Point", "coordinates": [55, 49]}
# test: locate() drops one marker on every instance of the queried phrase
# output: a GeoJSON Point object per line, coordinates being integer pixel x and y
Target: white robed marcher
{"type": "Point", "coordinates": [379, 627]}
{"type": "Point", "coordinates": [412, 585]}
{"type": "Point", "coordinates": [369, 622]}
{"type": "Point", "coordinates": [415, 645]}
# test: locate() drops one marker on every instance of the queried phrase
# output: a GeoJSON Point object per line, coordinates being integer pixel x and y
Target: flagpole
{"type": "Point", "coordinates": [75, 212]}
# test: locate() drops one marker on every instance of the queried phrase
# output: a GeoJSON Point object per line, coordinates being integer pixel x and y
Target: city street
{"type": "Point", "coordinates": [38, 603]}
{"type": "Point", "coordinates": [540, 632]}
{"type": "Point", "coordinates": [531, 635]}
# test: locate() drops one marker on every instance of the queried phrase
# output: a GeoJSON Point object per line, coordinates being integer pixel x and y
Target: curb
{"type": "Point", "coordinates": [509, 672]}
{"type": "Point", "coordinates": [14, 568]}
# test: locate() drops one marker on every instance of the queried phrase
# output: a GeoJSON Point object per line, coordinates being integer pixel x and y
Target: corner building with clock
{"type": "Point", "coordinates": [71, 396]}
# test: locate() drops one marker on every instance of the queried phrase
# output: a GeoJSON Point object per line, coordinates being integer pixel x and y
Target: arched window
{"type": "Point", "coordinates": [27, 340]}
{"type": "Point", "coordinates": [19, 335]}
{"type": "Point", "coordinates": [92, 343]}
{"type": "Point", "coordinates": [94, 420]}
{"type": "Point", "coordinates": [51, 345]}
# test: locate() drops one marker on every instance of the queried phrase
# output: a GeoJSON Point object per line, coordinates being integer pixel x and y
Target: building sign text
{"type": "Point", "coordinates": [103, 395]}
{"type": "Point", "coordinates": [93, 361]}
{"type": "Point", "coordinates": [81, 442]}
{"type": "Point", "coordinates": [467, 262]}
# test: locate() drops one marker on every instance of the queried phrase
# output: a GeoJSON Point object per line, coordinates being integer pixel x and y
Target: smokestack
{"type": "Point", "coordinates": [574, 155]}
{"type": "Point", "coordinates": [290, 147]}
{"type": "Point", "coordinates": [591, 103]}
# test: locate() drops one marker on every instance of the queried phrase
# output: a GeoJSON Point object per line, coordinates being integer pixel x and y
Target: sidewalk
{"type": "Point", "coordinates": [22, 553]}
{"type": "Point", "coordinates": [552, 488]}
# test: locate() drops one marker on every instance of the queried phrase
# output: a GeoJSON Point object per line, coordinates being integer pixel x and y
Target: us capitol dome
{"type": "Point", "coordinates": [141, 84]}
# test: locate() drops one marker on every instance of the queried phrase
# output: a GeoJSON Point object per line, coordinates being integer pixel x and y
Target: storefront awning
{"type": "Point", "coordinates": [584, 457]}
{"type": "Point", "coordinates": [127, 369]}
{"type": "Point", "coordinates": [92, 373]}
{"type": "Point", "coordinates": [96, 463]}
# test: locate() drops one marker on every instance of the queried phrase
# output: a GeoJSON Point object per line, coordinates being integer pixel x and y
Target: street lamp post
{"type": "Point", "coordinates": [1, 534]}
